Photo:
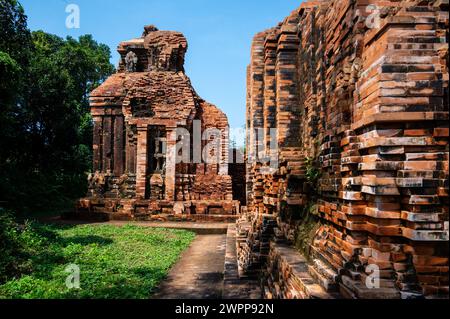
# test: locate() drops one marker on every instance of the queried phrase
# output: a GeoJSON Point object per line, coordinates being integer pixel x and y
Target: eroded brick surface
{"type": "Point", "coordinates": [364, 108]}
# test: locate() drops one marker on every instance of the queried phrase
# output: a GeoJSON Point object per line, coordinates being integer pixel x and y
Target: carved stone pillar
{"type": "Point", "coordinates": [107, 144]}
{"type": "Point", "coordinates": [171, 163]}
{"type": "Point", "coordinates": [141, 159]}
{"type": "Point", "coordinates": [96, 147]}
{"type": "Point", "coordinates": [118, 146]}
{"type": "Point", "coordinates": [224, 152]}
{"type": "Point", "coordinates": [131, 150]}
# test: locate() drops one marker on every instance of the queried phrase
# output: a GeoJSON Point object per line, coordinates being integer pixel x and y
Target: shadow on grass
{"type": "Point", "coordinates": [86, 240]}
{"type": "Point", "coordinates": [49, 232]}
{"type": "Point", "coordinates": [140, 285]}
{"type": "Point", "coordinates": [47, 258]}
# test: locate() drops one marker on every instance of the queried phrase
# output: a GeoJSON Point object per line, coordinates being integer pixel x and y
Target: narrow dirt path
{"type": "Point", "coordinates": [199, 272]}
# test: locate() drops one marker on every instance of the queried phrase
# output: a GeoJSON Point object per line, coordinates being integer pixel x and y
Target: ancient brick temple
{"type": "Point", "coordinates": [358, 206]}
{"type": "Point", "coordinates": [137, 115]}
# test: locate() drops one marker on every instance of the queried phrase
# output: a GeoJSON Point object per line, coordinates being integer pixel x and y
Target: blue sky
{"type": "Point", "coordinates": [219, 35]}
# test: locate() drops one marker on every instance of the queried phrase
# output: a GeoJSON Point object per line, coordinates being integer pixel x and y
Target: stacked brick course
{"type": "Point", "coordinates": [358, 91]}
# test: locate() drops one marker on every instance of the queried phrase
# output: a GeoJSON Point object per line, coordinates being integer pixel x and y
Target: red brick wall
{"type": "Point", "coordinates": [369, 106]}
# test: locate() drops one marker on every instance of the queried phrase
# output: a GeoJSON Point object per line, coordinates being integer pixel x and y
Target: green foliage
{"type": "Point", "coordinates": [115, 262]}
{"type": "Point", "coordinates": [9, 75]}
{"type": "Point", "coordinates": [14, 59]}
{"type": "Point", "coordinates": [42, 193]}
{"type": "Point", "coordinates": [63, 72]}
{"type": "Point", "coordinates": [312, 172]}
{"type": "Point", "coordinates": [45, 124]}
{"type": "Point", "coordinates": [307, 229]}
{"type": "Point", "coordinates": [12, 259]}
{"type": "Point", "coordinates": [8, 66]}
{"type": "Point", "coordinates": [14, 35]}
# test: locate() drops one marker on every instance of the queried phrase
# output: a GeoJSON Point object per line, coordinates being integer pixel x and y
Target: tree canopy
{"type": "Point", "coordinates": [45, 124]}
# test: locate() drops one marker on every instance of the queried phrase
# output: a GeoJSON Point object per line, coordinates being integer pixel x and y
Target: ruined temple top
{"type": "Point", "coordinates": [151, 83]}
{"type": "Point", "coordinates": [155, 50]}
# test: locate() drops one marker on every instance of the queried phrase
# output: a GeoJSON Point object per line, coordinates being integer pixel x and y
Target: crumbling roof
{"type": "Point", "coordinates": [169, 95]}
{"type": "Point", "coordinates": [156, 86]}
{"type": "Point", "coordinates": [112, 87]}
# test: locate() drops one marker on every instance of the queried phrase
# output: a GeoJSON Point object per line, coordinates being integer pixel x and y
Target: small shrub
{"type": "Point", "coordinates": [307, 230]}
{"type": "Point", "coordinates": [12, 251]}
{"type": "Point", "coordinates": [312, 172]}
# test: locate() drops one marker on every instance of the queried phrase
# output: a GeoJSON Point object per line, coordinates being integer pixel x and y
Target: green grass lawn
{"type": "Point", "coordinates": [115, 262]}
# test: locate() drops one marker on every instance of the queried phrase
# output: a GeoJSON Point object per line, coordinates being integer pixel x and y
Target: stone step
{"type": "Point", "coordinates": [359, 290]}
{"type": "Point", "coordinates": [328, 284]}
{"type": "Point", "coordinates": [235, 286]}
{"type": "Point", "coordinates": [295, 276]}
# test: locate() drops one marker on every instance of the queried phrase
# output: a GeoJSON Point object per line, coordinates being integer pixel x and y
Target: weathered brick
{"type": "Point", "coordinates": [367, 108]}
